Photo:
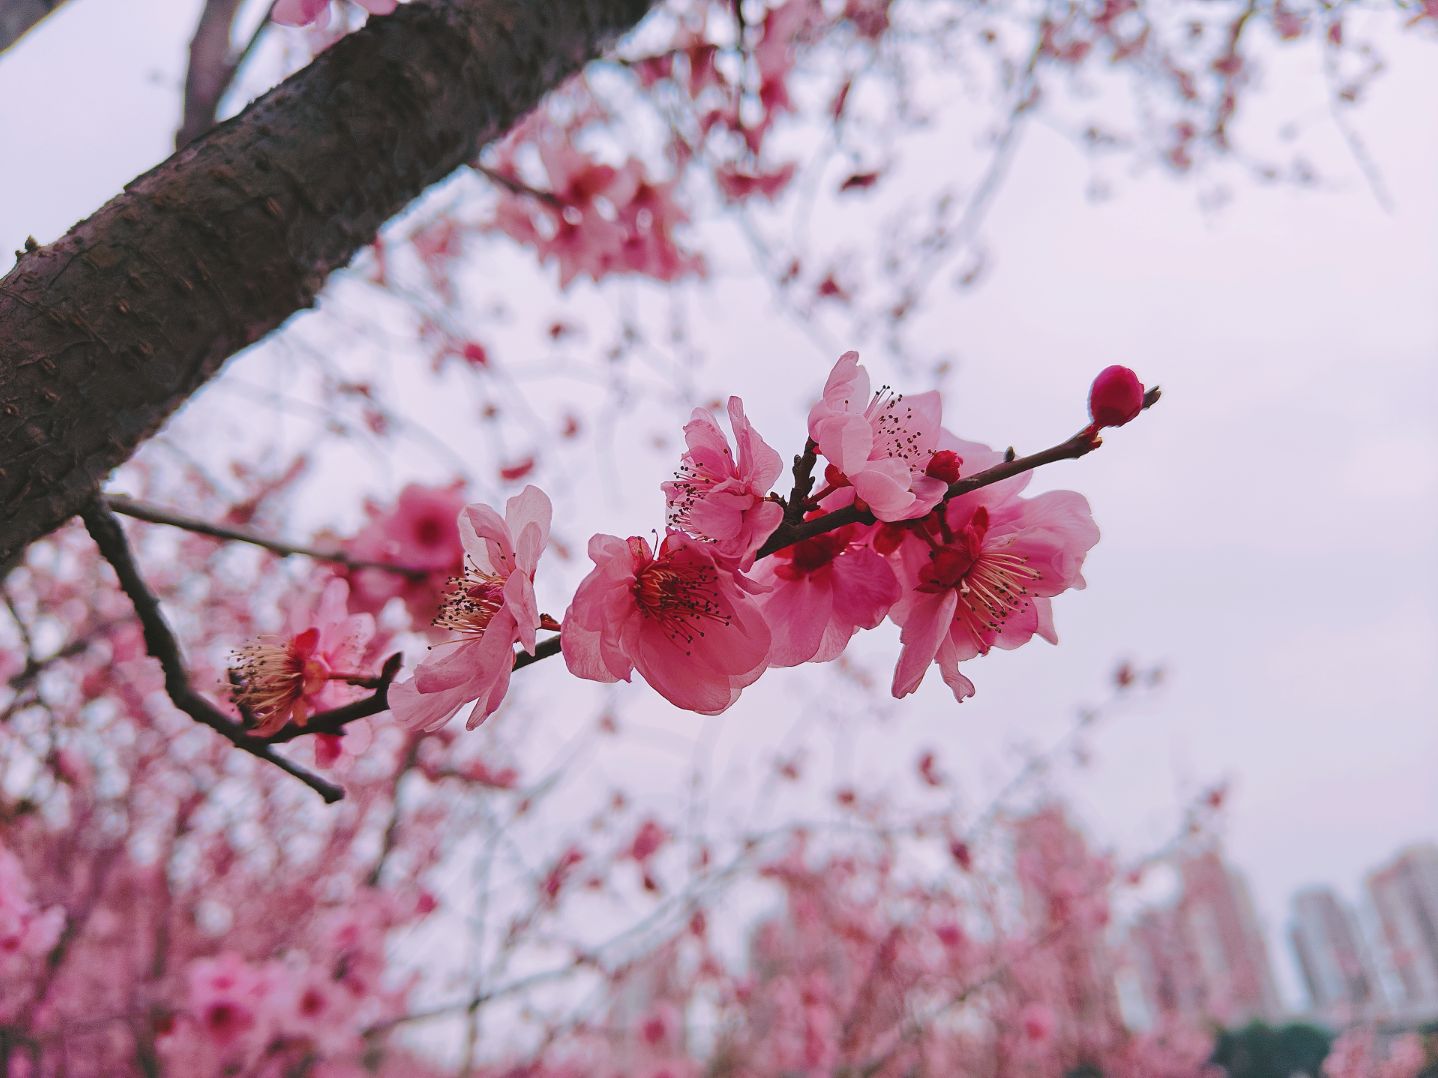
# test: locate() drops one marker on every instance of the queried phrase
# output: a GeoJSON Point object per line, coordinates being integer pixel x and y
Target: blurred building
{"type": "Point", "coordinates": [1064, 887]}
{"type": "Point", "coordinates": [1337, 968]}
{"type": "Point", "coordinates": [1404, 894]}
{"type": "Point", "coordinates": [1204, 958]}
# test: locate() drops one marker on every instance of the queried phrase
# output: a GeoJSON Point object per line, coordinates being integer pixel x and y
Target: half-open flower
{"type": "Point", "coordinates": [881, 442]}
{"type": "Point", "coordinates": [720, 500]}
{"type": "Point", "coordinates": [686, 621]}
{"type": "Point", "coordinates": [279, 679]}
{"type": "Point", "coordinates": [489, 608]}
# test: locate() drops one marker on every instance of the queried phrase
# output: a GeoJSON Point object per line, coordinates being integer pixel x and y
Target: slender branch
{"type": "Point", "coordinates": [160, 642]}
{"type": "Point", "coordinates": [518, 187]}
{"type": "Point", "coordinates": [211, 69]}
{"type": "Point", "coordinates": [153, 514]}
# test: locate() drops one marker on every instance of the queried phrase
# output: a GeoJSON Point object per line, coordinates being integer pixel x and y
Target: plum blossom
{"type": "Point", "coordinates": [822, 591]}
{"type": "Point", "coordinates": [980, 572]}
{"type": "Point", "coordinates": [490, 608]}
{"type": "Point", "coordinates": [715, 498]}
{"type": "Point", "coordinates": [602, 219]}
{"type": "Point", "coordinates": [882, 443]}
{"type": "Point", "coordinates": [417, 533]}
{"type": "Point", "coordinates": [686, 622]}
{"type": "Point", "coordinates": [315, 666]}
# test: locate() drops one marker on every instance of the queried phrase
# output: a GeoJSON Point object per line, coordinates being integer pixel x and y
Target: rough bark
{"type": "Point", "coordinates": [108, 330]}
{"type": "Point", "coordinates": [18, 16]}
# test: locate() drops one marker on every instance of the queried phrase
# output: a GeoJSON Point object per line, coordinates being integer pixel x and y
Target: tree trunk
{"type": "Point", "coordinates": [107, 331]}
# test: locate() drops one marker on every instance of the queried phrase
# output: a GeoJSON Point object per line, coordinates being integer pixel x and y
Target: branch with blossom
{"type": "Point", "coordinates": [898, 531]}
{"type": "Point", "coordinates": [109, 538]}
{"type": "Point", "coordinates": [743, 579]}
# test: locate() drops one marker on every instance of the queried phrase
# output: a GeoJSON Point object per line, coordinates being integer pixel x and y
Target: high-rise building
{"type": "Point", "coordinates": [1337, 970]}
{"type": "Point", "coordinates": [1404, 894]}
{"type": "Point", "coordinates": [1205, 957]}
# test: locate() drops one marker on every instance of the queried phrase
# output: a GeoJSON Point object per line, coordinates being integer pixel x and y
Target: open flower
{"type": "Point", "coordinates": [979, 573]}
{"type": "Point", "coordinates": [418, 533]}
{"type": "Point", "coordinates": [314, 666]}
{"type": "Point", "coordinates": [822, 591]}
{"type": "Point", "coordinates": [686, 622]}
{"type": "Point", "coordinates": [489, 608]}
{"type": "Point", "coordinates": [715, 498]}
{"type": "Point", "coordinates": [882, 443]}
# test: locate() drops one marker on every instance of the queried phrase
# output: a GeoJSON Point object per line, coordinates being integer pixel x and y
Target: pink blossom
{"type": "Point", "coordinates": [980, 572]}
{"type": "Point", "coordinates": [491, 607]}
{"type": "Point", "coordinates": [27, 932]}
{"type": "Point", "coordinates": [881, 443]}
{"type": "Point", "coordinates": [606, 219]}
{"type": "Point", "coordinates": [718, 500]}
{"type": "Point", "coordinates": [418, 533]}
{"type": "Point", "coordinates": [287, 678]}
{"type": "Point", "coordinates": [226, 998]}
{"type": "Point", "coordinates": [647, 840]}
{"type": "Point", "coordinates": [686, 622]}
{"type": "Point", "coordinates": [821, 592]}
{"type": "Point", "coordinates": [1038, 1022]}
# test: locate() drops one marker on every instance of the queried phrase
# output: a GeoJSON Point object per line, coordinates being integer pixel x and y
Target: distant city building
{"type": "Point", "coordinates": [1337, 970]}
{"type": "Point", "coordinates": [1063, 882]}
{"type": "Point", "coordinates": [1205, 956]}
{"type": "Point", "coordinates": [1404, 894]}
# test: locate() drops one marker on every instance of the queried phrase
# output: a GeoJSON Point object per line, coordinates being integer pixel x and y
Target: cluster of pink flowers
{"type": "Point", "coordinates": [593, 219]}
{"type": "Point", "coordinates": [701, 616]}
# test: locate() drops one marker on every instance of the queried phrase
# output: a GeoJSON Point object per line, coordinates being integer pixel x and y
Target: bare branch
{"type": "Point", "coordinates": [153, 514]}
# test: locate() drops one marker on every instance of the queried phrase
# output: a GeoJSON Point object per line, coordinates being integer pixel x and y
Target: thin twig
{"type": "Point", "coordinates": [518, 186]}
{"type": "Point", "coordinates": [803, 473]}
{"type": "Point", "coordinates": [160, 642]}
{"type": "Point", "coordinates": [1081, 444]}
{"type": "Point", "coordinates": [154, 514]}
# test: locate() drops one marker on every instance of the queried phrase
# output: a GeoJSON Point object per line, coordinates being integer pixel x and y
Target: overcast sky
{"type": "Point", "coordinates": [1268, 533]}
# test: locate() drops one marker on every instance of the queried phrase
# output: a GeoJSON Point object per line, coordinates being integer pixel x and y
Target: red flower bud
{"type": "Point", "coordinates": [1116, 397]}
{"type": "Point", "coordinates": [944, 465]}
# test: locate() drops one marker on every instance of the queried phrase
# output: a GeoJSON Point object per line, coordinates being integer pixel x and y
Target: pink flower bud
{"type": "Point", "coordinates": [1116, 397]}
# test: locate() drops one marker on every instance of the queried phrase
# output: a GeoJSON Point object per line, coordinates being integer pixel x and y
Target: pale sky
{"type": "Point", "coordinates": [1268, 531]}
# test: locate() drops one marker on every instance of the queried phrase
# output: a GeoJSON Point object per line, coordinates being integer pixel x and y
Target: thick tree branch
{"type": "Point", "coordinates": [18, 16]}
{"type": "Point", "coordinates": [111, 328]}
